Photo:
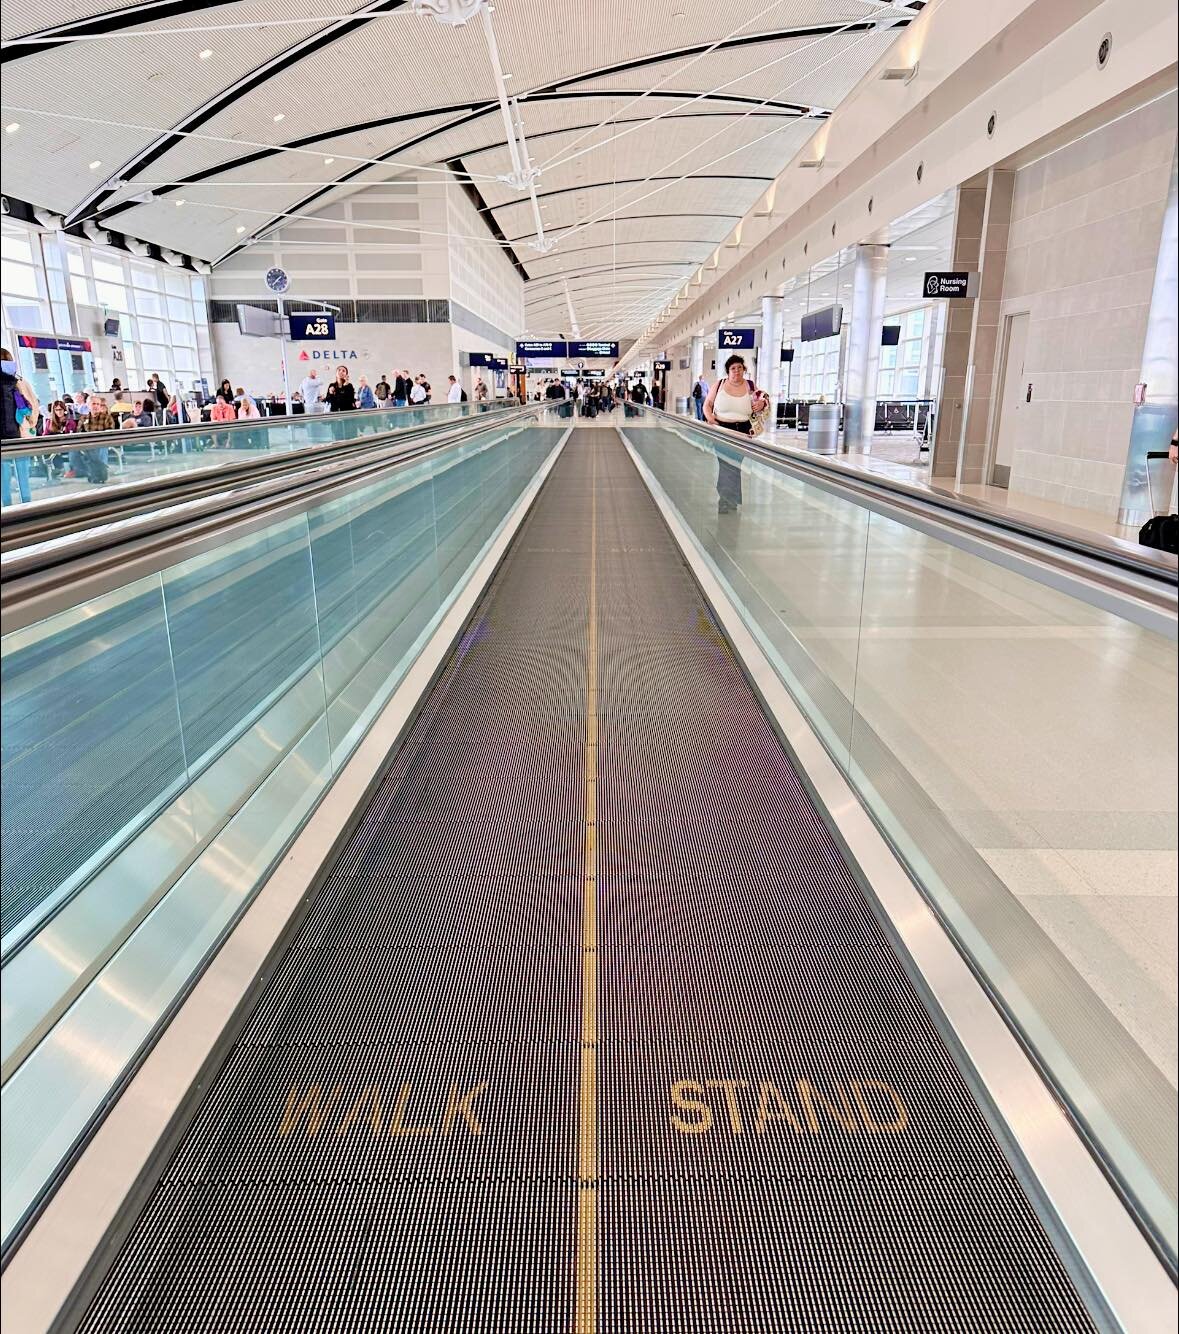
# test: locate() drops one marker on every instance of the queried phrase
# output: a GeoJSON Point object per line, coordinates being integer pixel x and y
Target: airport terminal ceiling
{"type": "Point", "coordinates": [640, 133]}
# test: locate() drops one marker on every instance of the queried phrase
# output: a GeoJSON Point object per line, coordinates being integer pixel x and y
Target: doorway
{"type": "Point", "coordinates": [1013, 399]}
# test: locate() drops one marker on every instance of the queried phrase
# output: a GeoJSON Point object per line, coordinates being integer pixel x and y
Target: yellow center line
{"type": "Point", "coordinates": [586, 1318]}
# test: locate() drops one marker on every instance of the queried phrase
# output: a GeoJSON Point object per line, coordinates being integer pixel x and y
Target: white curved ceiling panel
{"type": "Point", "coordinates": [298, 104]}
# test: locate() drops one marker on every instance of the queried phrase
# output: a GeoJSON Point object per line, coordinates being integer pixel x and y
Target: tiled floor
{"type": "Point", "coordinates": [898, 457]}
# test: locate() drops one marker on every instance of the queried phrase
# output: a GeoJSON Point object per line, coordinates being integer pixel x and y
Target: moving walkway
{"type": "Point", "coordinates": [180, 464]}
{"type": "Point", "coordinates": [602, 1008]}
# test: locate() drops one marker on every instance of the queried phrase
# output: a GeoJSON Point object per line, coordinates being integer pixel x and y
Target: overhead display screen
{"type": "Point", "coordinates": [541, 347]}
{"type": "Point", "coordinates": [593, 349]}
{"type": "Point", "coordinates": [823, 323]}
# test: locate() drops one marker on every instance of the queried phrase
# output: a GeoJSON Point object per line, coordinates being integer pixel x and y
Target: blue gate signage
{"type": "Point", "coordinates": [736, 340]}
{"type": "Point", "coordinates": [313, 328]}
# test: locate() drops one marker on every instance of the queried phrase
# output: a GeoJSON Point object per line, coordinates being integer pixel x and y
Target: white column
{"type": "Point", "coordinates": [869, 285]}
{"type": "Point", "coordinates": [769, 360]}
{"type": "Point", "coordinates": [697, 356]}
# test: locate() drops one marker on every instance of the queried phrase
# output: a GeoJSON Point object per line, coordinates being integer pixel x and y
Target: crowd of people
{"type": "Point", "coordinates": [589, 397]}
{"type": "Point", "coordinates": [89, 411]}
{"type": "Point", "coordinates": [404, 389]}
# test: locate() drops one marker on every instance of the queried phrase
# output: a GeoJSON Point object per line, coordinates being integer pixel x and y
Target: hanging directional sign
{"type": "Point", "coordinates": [593, 349]}
{"type": "Point", "coordinates": [541, 347]}
{"type": "Point", "coordinates": [662, 365]}
{"type": "Point", "coordinates": [313, 328]}
{"type": "Point", "coordinates": [490, 360]}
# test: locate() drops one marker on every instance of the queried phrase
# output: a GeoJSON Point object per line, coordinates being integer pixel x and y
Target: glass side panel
{"type": "Point", "coordinates": [162, 745]}
{"type": "Point", "coordinates": [55, 466]}
{"type": "Point", "coordinates": [1017, 744]}
{"type": "Point", "coordinates": [91, 742]}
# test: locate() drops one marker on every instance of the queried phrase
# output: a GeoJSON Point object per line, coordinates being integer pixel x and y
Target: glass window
{"type": "Point", "coordinates": [16, 247]}
{"type": "Point", "coordinates": [76, 260]}
{"type": "Point", "coordinates": [144, 278]}
{"type": "Point", "coordinates": [34, 318]}
{"type": "Point", "coordinates": [176, 283]}
{"type": "Point", "coordinates": [888, 358]}
{"type": "Point", "coordinates": [81, 290]}
{"type": "Point", "coordinates": [884, 384]}
{"type": "Point", "coordinates": [148, 303]}
{"type": "Point", "coordinates": [179, 310]}
{"type": "Point", "coordinates": [907, 384]}
{"type": "Point", "coordinates": [155, 354]}
{"type": "Point", "coordinates": [106, 270]}
{"type": "Point", "coordinates": [912, 353]}
{"type": "Point", "coordinates": [110, 295]}
{"type": "Point", "coordinates": [19, 279]}
{"type": "Point", "coordinates": [184, 359]}
{"type": "Point", "coordinates": [914, 323]}
{"type": "Point", "coordinates": [155, 330]}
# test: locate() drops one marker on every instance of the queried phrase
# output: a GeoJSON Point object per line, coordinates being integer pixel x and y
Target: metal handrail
{"type": "Point", "coordinates": [48, 578]}
{"type": "Point", "coordinates": [45, 444]}
{"type": "Point", "coordinates": [58, 516]}
{"type": "Point", "coordinates": [1144, 561]}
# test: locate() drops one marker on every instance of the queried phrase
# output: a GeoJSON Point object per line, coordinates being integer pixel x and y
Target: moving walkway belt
{"type": "Point", "coordinates": [591, 1026]}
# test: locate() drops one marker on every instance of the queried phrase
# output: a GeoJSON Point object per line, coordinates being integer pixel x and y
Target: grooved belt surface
{"type": "Point", "coordinates": [774, 1136]}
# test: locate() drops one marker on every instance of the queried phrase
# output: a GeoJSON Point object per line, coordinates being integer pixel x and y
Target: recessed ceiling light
{"type": "Point", "coordinates": [94, 166]}
{"type": "Point", "coordinates": [240, 230]}
{"type": "Point", "coordinates": [509, 76]}
{"type": "Point", "coordinates": [910, 259]}
{"type": "Point", "coordinates": [180, 203]}
{"type": "Point", "coordinates": [12, 129]}
{"type": "Point", "coordinates": [206, 54]}
{"type": "Point", "coordinates": [327, 162]}
{"type": "Point", "coordinates": [282, 115]}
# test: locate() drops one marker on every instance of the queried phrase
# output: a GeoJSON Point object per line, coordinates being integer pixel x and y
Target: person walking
{"type": "Point", "coordinates": [418, 393]}
{"type": "Point", "coordinates": [311, 390]}
{"type": "Point", "coordinates": [18, 416]}
{"type": "Point", "coordinates": [731, 404]}
{"type": "Point", "coordinates": [340, 395]}
{"type": "Point", "coordinates": [383, 392]}
{"type": "Point", "coordinates": [699, 394]}
{"type": "Point", "coordinates": [481, 392]}
{"type": "Point", "coordinates": [159, 390]}
{"type": "Point", "coordinates": [401, 389]}
{"type": "Point", "coordinates": [365, 398]}
{"type": "Point", "coordinates": [454, 390]}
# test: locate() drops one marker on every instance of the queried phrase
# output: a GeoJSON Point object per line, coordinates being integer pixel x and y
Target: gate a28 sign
{"type": "Point", "coordinates": [313, 328]}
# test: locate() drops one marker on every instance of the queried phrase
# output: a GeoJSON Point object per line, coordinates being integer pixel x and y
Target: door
{"type": "Point", "coordinates": [1014, 399]}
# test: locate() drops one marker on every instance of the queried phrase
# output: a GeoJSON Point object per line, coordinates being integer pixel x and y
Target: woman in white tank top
{"type": "Point", "coordinates": [731, 404]}
{"type": "Point", "coordinates": [733, 400]}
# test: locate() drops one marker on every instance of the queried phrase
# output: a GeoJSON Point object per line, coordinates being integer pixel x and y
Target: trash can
{"type": "Point", "coordinates": [823, 428]}
{"type": "Point", "coordinates": [683, 407]}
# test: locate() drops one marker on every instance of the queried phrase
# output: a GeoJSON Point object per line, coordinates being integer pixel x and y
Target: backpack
{"type": "Point", "coordinates": [463, 396]}
{"type": "Point", "coordinates": [697, 392]}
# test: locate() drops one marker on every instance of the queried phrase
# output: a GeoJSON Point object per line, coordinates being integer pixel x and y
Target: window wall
{"type": "Point", "coordinates": [816, 368]}
{"type": "Point", "coordinates": [904, 369]}
{"type": "Point", "coordinates": [48, 279]}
